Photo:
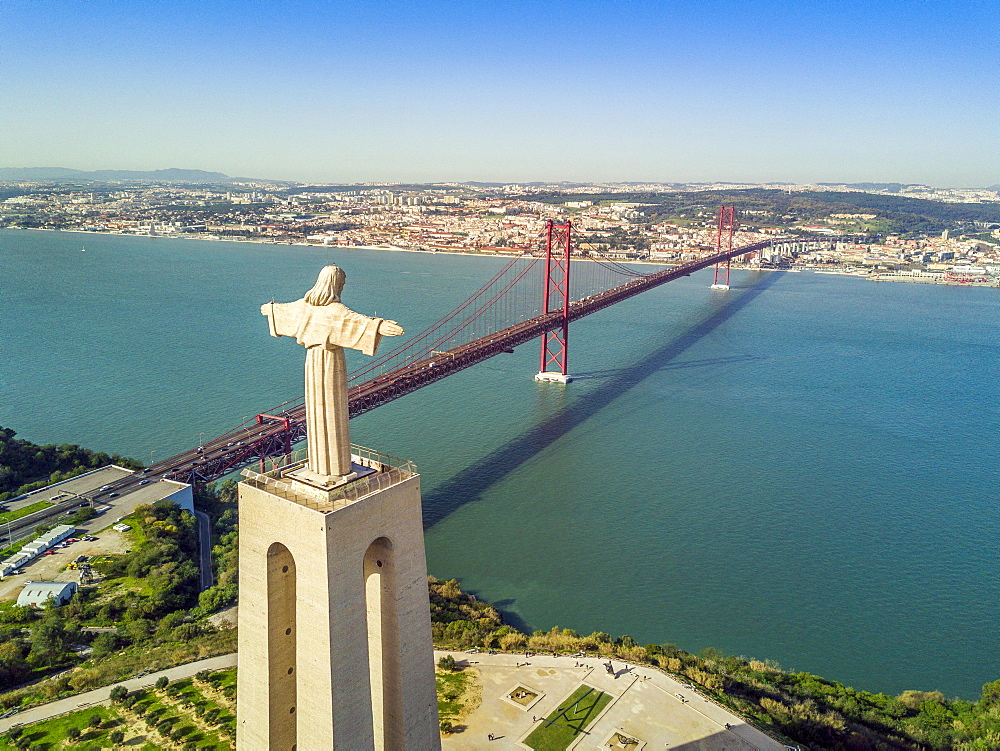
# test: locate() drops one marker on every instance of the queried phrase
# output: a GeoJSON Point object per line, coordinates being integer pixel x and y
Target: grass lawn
{"type": "Point", "coordinates": [159, 710]}
{"type": "Point", "coordinates": [188, 691]}
{"type": "Point", "coordinates": [451, 687]}
{"type": "Point", "coordinates": [224, 678]}
{"type": "Point", "coordinates": [51, 734]}
{"type": "Point", "coordinates": [568, 720]}
{"type": "Point", "coordinates": [9, 516]}
{"type": "Point", "coordinates": [135, 536]}
{"type": "Point", "coordinates": [123, 584]}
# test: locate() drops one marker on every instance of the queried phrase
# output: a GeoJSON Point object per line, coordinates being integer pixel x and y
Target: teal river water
{"type": "Point", "coordinates": [802, 469]}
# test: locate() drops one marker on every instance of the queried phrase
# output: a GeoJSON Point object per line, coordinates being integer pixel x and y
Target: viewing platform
{"type": "Point", "coordinates": [375, 472]}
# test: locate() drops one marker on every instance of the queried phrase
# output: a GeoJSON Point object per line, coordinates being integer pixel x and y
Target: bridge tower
{"type": "Point", "coordinates": [555, 342]}
{"type": "Point", "coordinates": [724, 243]}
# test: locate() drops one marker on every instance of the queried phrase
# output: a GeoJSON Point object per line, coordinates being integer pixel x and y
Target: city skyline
{"type": "Point", "coordinates": [521, 92]}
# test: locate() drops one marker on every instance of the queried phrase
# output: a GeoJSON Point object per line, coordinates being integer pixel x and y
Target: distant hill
{"type": "Point", "coordinates": [62, 174]}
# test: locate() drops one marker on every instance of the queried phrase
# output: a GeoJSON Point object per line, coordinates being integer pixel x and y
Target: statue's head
{"type": "Point", "coordinates": [328, 286]}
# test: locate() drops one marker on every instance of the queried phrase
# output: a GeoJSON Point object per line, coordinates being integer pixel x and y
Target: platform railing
{"type": "Point", "coordinates": [389, 471]}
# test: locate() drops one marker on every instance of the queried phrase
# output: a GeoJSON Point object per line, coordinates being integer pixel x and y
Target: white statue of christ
{"type": "Point", "coordinates": [325, 326]}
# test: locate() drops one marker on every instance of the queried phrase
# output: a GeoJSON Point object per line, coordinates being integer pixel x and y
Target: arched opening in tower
{"type": "Point", "coordinates": [381, 598]}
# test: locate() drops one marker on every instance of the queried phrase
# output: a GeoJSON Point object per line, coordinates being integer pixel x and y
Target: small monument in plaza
{"type": "Point", "coordinates": [334, 622]}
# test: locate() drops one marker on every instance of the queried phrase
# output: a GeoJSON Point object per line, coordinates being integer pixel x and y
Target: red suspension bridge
{"type": "Point", "coordinates": [504, 313]}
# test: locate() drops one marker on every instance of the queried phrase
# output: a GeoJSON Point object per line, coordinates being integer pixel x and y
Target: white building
{"type": "Point", "coordinates": [35, 548]}
{"type": "Point", "coordinates": [38, 594]}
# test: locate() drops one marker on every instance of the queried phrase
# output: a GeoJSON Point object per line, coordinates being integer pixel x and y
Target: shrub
{"type": "Point", "coordinates": [447, 663]}
{"type": "Point", "coordinates": [85, 679]}
{"type": "Point", "coordinates": [447, 726]}
{"type": "Point", "coordinates": [116, 736]}
{"type": "Point", "coordinates": [94, 721]}
{"type": "Point", "coordinates": [513, 641]}
{"type": "Point", "coordinates": [73, 733]}
{"type": "Point", "coordinates": [55, 686]}
{"type": "Point", "coordinates": [913, 699]}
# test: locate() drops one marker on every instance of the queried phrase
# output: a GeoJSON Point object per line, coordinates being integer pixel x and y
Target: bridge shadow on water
{"type": "Point", "coordinates": [470, 484]}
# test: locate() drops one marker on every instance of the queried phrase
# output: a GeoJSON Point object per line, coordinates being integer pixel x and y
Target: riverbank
{"type": "Point", "coordinates": [324, 246]}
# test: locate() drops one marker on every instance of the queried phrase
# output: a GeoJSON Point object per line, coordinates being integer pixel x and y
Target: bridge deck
{"type": "Point", "coordinates": [248, 444]}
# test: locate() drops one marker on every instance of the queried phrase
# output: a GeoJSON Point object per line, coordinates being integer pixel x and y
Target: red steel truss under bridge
{"type": "Point", "coordinates": [532, 296]}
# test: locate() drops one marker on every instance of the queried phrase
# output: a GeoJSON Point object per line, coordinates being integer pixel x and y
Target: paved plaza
{"type": "Point", "coordinates": [648, 709]}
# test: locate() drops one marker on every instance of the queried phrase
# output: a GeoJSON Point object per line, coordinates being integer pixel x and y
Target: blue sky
{"type": "Point", "coordinates": [898, 90]}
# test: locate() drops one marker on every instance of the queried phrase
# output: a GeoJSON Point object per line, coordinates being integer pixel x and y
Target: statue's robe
{"type": "Point", "coordinates": [325, 330]}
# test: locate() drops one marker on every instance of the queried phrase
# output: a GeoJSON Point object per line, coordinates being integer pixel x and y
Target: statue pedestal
{"type": "Point", "coordinates": [334, 623]}
{"type": "Point", "coordinates": [318, 486]}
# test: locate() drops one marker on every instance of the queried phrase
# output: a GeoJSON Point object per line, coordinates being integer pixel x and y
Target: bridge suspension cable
{"type": "Point", "coordinates": [504, 313]}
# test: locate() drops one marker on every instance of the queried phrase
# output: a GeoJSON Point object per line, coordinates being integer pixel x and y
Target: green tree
{"type": "Point", "coordinates": [991, 693]}
{"type": "Point", "coordinates": [104, 644]}
{"type": "Point", "coordinates": [73, 733]}
{"type": "Point", "coordinates": [162, 682]}
{"type": "Point", "coordinates": [447, 662]}
{"type": "Point", "coordinates": [14, 669]}
{"type": "Point", "coordinates": [49, 641]}
{"type": "Point", "coordinates": [116, 736]}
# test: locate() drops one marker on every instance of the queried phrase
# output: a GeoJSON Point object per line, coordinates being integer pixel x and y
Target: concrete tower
{"type": "Point", "coordinates": [335, 644]}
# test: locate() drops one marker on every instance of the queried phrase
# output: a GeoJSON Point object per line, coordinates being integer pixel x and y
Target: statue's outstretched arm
{"type": "Point", "coordinates": [389, 328]}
